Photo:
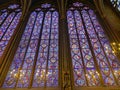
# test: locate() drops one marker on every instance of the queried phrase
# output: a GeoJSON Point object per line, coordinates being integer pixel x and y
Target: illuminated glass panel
{"type": "Point", "coordinates": [2, 17]}
{"type": "Point", "coordinates": [16, 65]}
{"type": "Point", "coordinates": [80, 49]}
{"type": "Point", "coordinates": [113, 60]}
{"type": "Point", "coordinates": [13, 6]}
{"type": "Point", "coordinates": [98, 51]}
{"type": "Point", "coordinates": [116, 4]}
{"type": "Point", "coordinates": [28, 61]}
{"type": "Point", "coordinates": [4, 10]}
{"type": "Point", "coordinates": [8, 23]}
{"type": "Point", "coordinates": [46, 5]}
{"type": "Point", "coordinates": [52, 72]}
{"type": "Point", "coordinates": [94, 63]}
{"type": "Point", "coordinates": [47, 66]}
{"type": "Point", "coordinates": [35, 63]}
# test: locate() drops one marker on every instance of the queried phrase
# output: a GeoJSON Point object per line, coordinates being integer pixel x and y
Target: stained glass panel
{"type": "Point", "coordinates": [94, 63]}
{"type": "Point", "coordinates": [13, 6]}
{"type": "Point", "coordinates": [80, 51]}
{"type": "Point", "coordinates": [43, 62]}
{"type": "Point", "coordinates": [52, 73]}
{"type": "Point", "coordinates": [2, 17]}
{"type": "Point", "coordinates": [46, 5]}
{"type": "Point", "coordinates": [16, 65]}
{"type": "Point", "coordinates": [37, 53]}
{"type": "Point", "coordinates": [8, 23]}
{"type": "Point", "coordinates": [113, 60]}
{"type": "Point", "coordinates": [99, 53]}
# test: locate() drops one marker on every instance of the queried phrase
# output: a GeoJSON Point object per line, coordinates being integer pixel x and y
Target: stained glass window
{"type": "Point", "coordinates": [94, 63]}
{"type": "Point", "coordinates": [35, 63]}
{"type": "Point", "coordinates": [9, 20]}
{"type": "Point", "coordinates": [116, 4]}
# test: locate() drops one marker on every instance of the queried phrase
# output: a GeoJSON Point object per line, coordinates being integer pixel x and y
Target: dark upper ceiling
{"type": "Point", "coordinates": [34, 1]}
{"type": "Point", "coordinates": [3, 1]}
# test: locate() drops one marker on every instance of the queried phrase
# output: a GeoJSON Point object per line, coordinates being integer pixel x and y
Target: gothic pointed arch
{"type": "Point", "coordinates": [93, 62]}
{"type": "Point", "coordinates": [35, 63]}
{"type": "Point", "coordinates": [60, 45]}
{"type": "Point", "coordinates": [9, 19]}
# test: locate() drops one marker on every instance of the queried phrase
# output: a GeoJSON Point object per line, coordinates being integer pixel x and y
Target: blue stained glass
{"type": "Point", "coordinates": [45, 59]}
{"type": "Point", "coordinates": [114, 62]}
{"type": "Point", "coordinates": [77, 4]}
{"type": "Point", "coordinates": [4, 10]}
{"type": "Point", "coordinates": [75, 52]}
{"type": "Point", "coordinates": [52, 78]}
{"type": "Point", "coordinates": [38, 9]}
{"type": "Point", "coordinates": [36, 32]}
{"type": "Point", "coordinates": [96, 45]}
{"type": "Point", "coordinates": [13, 6]}
{"type": "Point", "coordinates": [27, 32]}
{"type": "Point", "coordinates": [27, 66]}
{"type": "Point", "coordinates": [7, 30]}
{"type": "Point", "coordinates": [19, 56]}
{"type": "Point", "coordinates": [75, 36]}
{"type": "Point", "coordinates": [46, 5]}
{"type": "Point", "coordinates": [18, 10]}
{"type": "Point", "coordinates": [6, 24]}
{"type": "Point", "coordinates": [3, 16]}
{"type": "Point", "coordinates": [35, 37]}
{"type": "Point", "coordinates": [43, 53]}
{"type": "Point", "coordinates": [12, 27]}
{"type": "Point", "coordinates": [52, 9]}
{"type": "Point", "coordinates": [88, 40]}
{"type": "Point", "coordinates": [3, 44]}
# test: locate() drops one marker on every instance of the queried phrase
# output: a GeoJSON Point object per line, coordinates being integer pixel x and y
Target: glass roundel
{"type": "Point", "coordinates": [8, 23]}
{"type": "Point", "coordinates": [35, 63]}
{"type": "Point", "coordinates": [116, 4]}
{"type": "Point", "coordinates": [94, 63]}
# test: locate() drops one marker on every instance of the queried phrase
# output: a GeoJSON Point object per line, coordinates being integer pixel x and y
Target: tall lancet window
{"type": "Point", "coordinates": [35, 63]}
{"type": "Point", "coordinates": [9, 19]}
{"type": "Point", "coordinates": [94, 64]}
{"type": "Point", "coordinates": [116, 4]}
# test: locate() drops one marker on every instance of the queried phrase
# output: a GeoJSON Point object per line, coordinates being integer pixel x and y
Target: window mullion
{"type": "Point", "coordinates": [102, 48]}
{"type": "Point", "coordinates": [8, 26]}
{"type": "Point", "coordinates": [91, 48]}
{"type": "Point", "coordinates": [84, 68]}
{"type": "Point", "coordinates": [37, 52]}
{"type": "Point", "coordinates": [46, 73]}
{"type": "Point", "coordinates": [4, 18]}
{"type": "Point", "coordinates": [67, 74]}
{"type": "Point", "coordinates": [25, 52]}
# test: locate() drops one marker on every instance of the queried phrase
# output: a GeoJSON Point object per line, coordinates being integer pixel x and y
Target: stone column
{"type": "Point", "coordinates": [66, 81]}
{"type": "Point", "coordinates": [100, 6]}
